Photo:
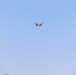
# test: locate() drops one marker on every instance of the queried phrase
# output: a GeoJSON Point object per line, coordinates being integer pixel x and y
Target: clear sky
{"type": "Point", "coordinates": [30, 50]}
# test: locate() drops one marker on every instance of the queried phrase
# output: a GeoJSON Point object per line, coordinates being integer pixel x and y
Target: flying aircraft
{"type": "Point", "coordinates": [37, 24]}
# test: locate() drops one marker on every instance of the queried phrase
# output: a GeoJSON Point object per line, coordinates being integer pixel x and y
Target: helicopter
{"type": "Point", "coordinates": [37, 24]}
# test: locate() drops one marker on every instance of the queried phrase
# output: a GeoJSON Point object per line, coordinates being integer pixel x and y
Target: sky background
{"type": "Point", "coordinates": [29, 50]}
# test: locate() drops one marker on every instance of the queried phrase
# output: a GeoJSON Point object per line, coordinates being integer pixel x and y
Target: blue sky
{"type": "Point", "coordinates": [30, 50]}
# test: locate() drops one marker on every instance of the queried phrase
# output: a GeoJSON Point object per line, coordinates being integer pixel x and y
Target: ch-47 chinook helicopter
{"type": "Point", "coordinates": [37, 24]}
